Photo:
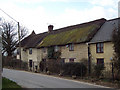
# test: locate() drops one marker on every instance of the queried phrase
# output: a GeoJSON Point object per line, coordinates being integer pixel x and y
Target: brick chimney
{"type": "Point", "coordinates": [50, 28]}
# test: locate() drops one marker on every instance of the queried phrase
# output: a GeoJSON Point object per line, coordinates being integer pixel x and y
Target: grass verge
{"type": "Point", "coordinates": [6, 83]}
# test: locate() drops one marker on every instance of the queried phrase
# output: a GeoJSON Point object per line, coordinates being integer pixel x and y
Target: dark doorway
{"type": "Point", "coordinates": [30, 64]}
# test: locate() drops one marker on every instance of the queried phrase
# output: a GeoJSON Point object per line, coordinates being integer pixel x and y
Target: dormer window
{"type": "Point", "coordinates": [71, 47]}
{"type": "Point", "coordinates": [44, 50]}
{"type": "Point", "coordinates": [56, 48]}
{"type": "Point", "coordinates": [30, 50]}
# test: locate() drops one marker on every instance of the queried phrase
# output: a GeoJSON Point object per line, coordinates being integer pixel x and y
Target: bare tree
{"type": "Point", "coordinates": [10, 36]}
{"type": "Point", "coordinates": [23, 32]}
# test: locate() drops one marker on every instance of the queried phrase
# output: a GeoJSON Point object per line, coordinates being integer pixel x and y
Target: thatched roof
{"type": "Point", "coordinates": [72, 34]}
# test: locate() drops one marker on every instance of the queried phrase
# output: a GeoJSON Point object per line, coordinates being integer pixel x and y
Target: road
{"type": "Point", "coordinates": [36, 80]}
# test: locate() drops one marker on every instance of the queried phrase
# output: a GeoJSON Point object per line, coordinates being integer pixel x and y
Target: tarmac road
{"type": "Point", "coordinates": [36, 80]}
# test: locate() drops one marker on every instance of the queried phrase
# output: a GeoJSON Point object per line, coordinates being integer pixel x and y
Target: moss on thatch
{"type": "Point", "coordinates": [72, 36]}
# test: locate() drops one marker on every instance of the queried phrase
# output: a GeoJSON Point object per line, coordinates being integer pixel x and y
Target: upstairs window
{"type": "Point", "coordinates": [30, 50]}
{"type": "Point", "coordinates": [18, 51]}
{"type": "Point", "coordinates": [56, 48]}
{"type": "Point", "coordinates": [99, 47]}
{"type": "Point", "coordinates": [71, 47]}
{"type": "Point", "coordinates": [44, 50]}
{"type": "Point", "coordinates": [24, 49]}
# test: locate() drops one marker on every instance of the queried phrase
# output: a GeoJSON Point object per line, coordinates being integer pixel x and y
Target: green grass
{"type": "Point", "coordinates": [6, 83]}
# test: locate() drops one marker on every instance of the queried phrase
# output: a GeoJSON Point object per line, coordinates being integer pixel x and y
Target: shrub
{"type": "Point", "coordinates": [78, 69]}
{"type": "Point", "coordinates": [98, 70]}
{"type": "Point", "coordinates": [84, 61]}
{"type": "Point", "coordinates": [42, 65]}
{"type": "Point", "coordinates": [53, 66]}
{"type": "Point", "coordinates": [15, 63]}
{"type": "Point", "coordinates": [50, 52]}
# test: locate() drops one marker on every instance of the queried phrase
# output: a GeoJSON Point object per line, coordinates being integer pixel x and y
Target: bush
{"type": "Point", "coordinates": [15, 63]}
{"type": "Point", "coordinates": [98, 70]}
{"type": "Point", "coordinates": [42, 66]}
{"type": "Point", "coordinates": [53, 66]}
{"type": "Point", "coordinates": [78, 69]}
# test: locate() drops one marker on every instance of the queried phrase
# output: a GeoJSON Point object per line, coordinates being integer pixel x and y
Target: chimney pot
{"type": "Point", "coordinates": [50, 28]}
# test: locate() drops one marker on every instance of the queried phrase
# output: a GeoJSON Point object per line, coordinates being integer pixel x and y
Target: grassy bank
{"type": "Point", "coordinates": [6, 83]}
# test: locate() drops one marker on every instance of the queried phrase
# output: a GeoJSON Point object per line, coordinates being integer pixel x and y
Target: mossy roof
{"type": "Point", "coordinates": [82, 33]}
{"type": "Point", "coordinates": [71, 34]}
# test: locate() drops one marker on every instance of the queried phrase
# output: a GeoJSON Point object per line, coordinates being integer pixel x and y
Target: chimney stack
{"type": "Point", "coordinates": [50, 28]}
{"type": "Point", "coordinates": [119, 9]}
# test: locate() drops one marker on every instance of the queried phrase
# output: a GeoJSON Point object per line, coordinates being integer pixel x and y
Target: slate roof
{"type": "Point", "coordinates": [105, 32]}
{"type": "Point", "coordinates": [72, 34]}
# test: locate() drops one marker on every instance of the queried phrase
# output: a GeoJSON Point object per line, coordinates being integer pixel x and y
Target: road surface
{"type": "Point", "coordinates": [36, 80]}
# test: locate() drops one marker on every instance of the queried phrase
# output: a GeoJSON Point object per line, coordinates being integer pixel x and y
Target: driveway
{"type": "Point", "coordinates": [36, 80]}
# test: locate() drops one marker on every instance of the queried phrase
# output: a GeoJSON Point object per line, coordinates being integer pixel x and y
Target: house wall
{"type": "Point", "coordinates": [107, 54]}
{"type": "Point", "coordinates": [33, 56]}
{"type": "Point", "coordinates": [36, 56]}
{"type": "Point", "coordinates": [41, 54]}
{"type": "Point", "coordinates": [80, 52]}
{"type": "Point", "coordinates": [24, 55]}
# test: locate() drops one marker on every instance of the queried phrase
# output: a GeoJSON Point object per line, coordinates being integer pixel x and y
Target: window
{"type": "Point", "coordinates": [44, 50]}
{"type": "Point", "coordinates": [62, 60]}
{"type": "Point", "coordinates": [99, 47]}
{"type": "Point", "coordinates": [44, 60]}
{"type": "Point", "coordinates": [100, 61]}
{"type": "Point", "coordinates": [18, 51]}
{"type": "Point", "coordinates": [71, 60]}
{"type": "Point", "coordinates": [24, 49]}
{"type": "Point", "coordinates": [30, 50]}
{"type": "Point", "coordinates": [71, 47]}
{"type": "Point", "coordinates": [56, 48]}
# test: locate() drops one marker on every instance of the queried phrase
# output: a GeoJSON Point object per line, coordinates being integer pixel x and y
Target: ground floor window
{"type": "Point", "coordinates": [71, 60]}
{"type": "Point", "coordinates": [62, 60]}
{"type": "Point", "coordinates": [44, 60]}
{"type": "Point", "coordinates": [100, 61]}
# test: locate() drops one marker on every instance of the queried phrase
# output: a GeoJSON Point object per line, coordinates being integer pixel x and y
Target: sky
{"type": "Point", "coordinates": [38, 14]}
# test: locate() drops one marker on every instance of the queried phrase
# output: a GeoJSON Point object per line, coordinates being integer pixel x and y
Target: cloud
{"type": "Point", "coordinates": [73, 16]}
{"type": "Point", "coordinates": [38, 18]}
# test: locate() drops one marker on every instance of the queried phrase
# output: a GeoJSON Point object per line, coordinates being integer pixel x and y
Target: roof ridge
{"type": "Point", "coordinates": [81, 23]}
{"type": "Point", "coordinates": [113, 19]}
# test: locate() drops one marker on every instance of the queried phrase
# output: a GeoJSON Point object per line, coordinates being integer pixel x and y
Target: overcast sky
{"type": "Point", "coordinates": [38, 14]}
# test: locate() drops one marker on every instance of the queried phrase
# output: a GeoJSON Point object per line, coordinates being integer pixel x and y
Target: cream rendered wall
{"type": "Point", "coordinates": [24, 55]}
{"type": "Point", "coordinates": [80, 52]}
{"type": "Point", "coordinates": [41, 54]}
{"type": "Point", "coordinates": [108, 53]}
{"type": "Point", "coordinates": [33, 56]}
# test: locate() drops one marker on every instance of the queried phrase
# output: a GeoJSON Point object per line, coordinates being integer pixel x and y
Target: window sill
{"type": "Point", "coordinates": [99, 52]}
{"type": "Point", "coordinates": [71, 50]}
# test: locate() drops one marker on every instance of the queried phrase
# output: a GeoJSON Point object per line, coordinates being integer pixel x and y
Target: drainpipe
{"type": "Point", "coordinates": [89, 61]}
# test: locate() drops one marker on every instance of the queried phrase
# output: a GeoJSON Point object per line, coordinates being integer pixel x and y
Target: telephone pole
{"type": "Point", "coordinates": [19, 42]}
